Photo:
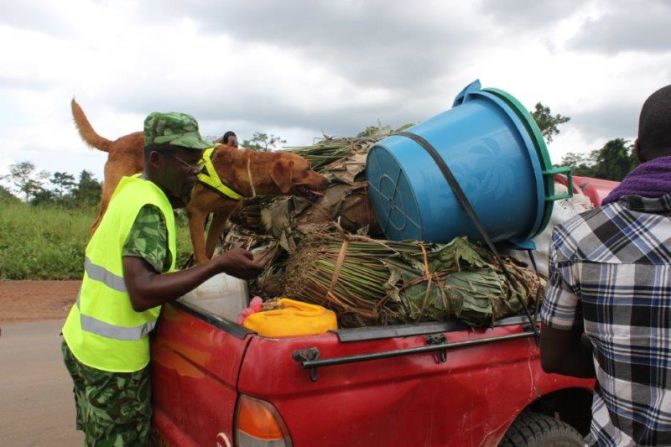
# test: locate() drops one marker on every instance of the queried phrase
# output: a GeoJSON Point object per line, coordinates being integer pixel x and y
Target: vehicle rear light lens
{"type": "Point", "coordinates": [258, 424]}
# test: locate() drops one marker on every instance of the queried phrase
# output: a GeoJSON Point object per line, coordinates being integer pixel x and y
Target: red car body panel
{"type": "Point", "coordinates": [594, 188]}
{"type": "Point", "coordinates": [195, 368]}
{"type": "Point", "coordinates": [470, 399]}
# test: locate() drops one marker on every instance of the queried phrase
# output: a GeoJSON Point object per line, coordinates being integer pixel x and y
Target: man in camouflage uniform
{"type": "Point", "coordinates": [113, 409]}
{"type": "Point", "coordinates": [129, 273]}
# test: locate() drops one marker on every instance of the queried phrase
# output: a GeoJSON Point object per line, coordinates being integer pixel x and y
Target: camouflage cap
{"type": "Point", "coordinates": [177, 129]}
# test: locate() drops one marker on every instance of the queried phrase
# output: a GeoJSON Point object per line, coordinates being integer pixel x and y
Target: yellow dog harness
{"type": "Point", "coordinates": [209, 176]}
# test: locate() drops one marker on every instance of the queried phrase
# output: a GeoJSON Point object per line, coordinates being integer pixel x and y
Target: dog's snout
{"type": "Point", "coordinates": [321, 181]}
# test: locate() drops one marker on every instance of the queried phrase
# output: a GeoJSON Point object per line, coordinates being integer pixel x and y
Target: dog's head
{"type": "Point", "coordinates": [292, 174]}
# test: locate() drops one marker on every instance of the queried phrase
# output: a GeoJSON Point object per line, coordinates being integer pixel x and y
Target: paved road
{"type": "Point", "coordinates": [36, 403]}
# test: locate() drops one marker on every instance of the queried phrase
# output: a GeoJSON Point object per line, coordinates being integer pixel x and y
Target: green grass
{"type": "Point", "coordinates": [48, 242]}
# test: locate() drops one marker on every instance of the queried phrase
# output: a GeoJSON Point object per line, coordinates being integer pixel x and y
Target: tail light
{"type": "Point", "coordinates": [258, 424]}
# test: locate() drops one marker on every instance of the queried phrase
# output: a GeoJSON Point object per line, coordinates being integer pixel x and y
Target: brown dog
{"type": "Point", "coordinates": [247, 172]}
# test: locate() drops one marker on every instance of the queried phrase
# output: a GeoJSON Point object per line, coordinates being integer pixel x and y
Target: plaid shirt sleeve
{"type": "Point", "coordinates": [561, 308]}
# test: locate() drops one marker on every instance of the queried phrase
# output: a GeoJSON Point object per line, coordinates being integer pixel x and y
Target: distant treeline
{"type": "Point", "coordinates": [45, 188]}
{"type": "Point", "coordinates": [612, 162]}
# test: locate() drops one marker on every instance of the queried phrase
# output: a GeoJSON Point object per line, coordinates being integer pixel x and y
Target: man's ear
{"type": "Point", "coordinates": [282, 175]}
{"type": "Point", "coordinates": [154, 159]}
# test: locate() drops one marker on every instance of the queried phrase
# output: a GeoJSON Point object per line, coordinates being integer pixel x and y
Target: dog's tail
{"type": "Point", "coordinates": [86, 130]}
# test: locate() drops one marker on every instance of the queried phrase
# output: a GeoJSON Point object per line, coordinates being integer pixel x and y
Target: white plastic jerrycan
{"type": "Point", "coordinates": [222, 295]}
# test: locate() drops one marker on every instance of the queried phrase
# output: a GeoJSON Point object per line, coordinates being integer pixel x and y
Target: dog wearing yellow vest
{"type": "Point", "coordinates": [228, 175]}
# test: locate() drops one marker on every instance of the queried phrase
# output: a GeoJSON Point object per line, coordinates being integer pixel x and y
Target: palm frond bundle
{"type": "Point", "coordinates": [376, 282]}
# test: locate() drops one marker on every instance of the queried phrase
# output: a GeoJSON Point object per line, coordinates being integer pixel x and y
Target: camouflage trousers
{"type": "Point", "coordinates": [113, 409]}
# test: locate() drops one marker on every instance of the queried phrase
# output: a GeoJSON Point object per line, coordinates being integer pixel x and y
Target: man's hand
{"type": "Point", "coordinates": [147, 288]}
{"type": "Point", "coordinates": [239, 263]}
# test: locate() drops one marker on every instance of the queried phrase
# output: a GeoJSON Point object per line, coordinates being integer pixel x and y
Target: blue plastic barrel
{"type": "Point", "coordinates": [496, 153]}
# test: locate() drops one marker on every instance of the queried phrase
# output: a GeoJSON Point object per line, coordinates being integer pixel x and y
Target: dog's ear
{"type": "Point", "coordinates": [282, 174]}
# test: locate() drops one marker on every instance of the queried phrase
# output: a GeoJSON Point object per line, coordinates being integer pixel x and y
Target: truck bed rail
{"type": "Point", "coordinates": [309, 359]}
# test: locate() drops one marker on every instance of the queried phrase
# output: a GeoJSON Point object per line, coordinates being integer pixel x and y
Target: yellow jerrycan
{"type": "Point", "coordinates": [293, 318]}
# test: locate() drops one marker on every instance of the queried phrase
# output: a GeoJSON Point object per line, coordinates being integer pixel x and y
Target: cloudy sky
{"type": "Point", "coordinates": [300, 68]}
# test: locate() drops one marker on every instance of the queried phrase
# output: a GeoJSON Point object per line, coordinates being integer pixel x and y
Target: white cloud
{"type": "Point", "coordinates": [298, 68]}
{"type": "Point", "coordinates": [627, 26]}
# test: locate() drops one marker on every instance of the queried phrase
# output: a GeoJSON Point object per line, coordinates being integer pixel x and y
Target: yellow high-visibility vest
{"type": "Point", "coordinates": [102, 330]}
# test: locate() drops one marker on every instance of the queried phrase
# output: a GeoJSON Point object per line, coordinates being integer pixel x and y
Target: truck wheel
{"type": "Point", "coordinates": [539, 430]}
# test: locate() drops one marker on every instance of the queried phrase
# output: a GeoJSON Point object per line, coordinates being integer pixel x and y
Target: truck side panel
{"type": "Point", "coordinates": [195, 368]}
{"type": "Point", "coordinates": [471, 399]}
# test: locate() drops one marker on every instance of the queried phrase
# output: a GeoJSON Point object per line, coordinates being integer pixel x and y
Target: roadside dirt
{"type": "Point", "coordinates": [22, 301]}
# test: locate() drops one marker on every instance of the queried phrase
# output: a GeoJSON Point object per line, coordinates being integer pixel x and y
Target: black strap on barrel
{"type": "Point", "coordinates": [468, 208]}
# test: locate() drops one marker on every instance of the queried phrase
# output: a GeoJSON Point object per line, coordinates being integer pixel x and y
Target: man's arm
{"type": "Point", "coordinates": [148, 288]}
{"type": "Point", "coordinates": [566, 352]}
{"type": "Point", "coordinates": [564, 348]}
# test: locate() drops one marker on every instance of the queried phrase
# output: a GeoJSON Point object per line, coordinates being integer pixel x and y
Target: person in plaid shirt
{"type": "Point", "coordinates": [607, 312]}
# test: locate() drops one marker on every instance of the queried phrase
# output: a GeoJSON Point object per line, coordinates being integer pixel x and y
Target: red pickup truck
{"type": "Point", "coordinates": [428, 384]}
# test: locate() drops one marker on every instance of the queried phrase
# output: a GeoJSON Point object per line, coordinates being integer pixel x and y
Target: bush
{"type": "Point", "coordinates": [48, 242]}
{"type": "Point", "coordinates": [42, 242]}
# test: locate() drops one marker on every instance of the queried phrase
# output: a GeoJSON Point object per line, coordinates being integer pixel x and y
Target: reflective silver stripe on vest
{"type": "Point", "coordinates": [108, 330]}
{"type": "Point", "coordinates": [105, 276]}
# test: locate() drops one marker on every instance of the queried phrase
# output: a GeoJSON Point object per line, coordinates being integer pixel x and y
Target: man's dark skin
{"type": "Point", "coordinates": [175, 172]}
{"type": "Point", "coordinates": [570, 352]}
{"type": "Point", "coordinates": [566, 352]}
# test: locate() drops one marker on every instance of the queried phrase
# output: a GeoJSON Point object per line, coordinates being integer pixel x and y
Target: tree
{"type": "Point", "coordinates": [64, 190]}
{"type": "Point", "coordinates": [581, 163]}
{"type": "Point", "coordinates": [547, 122]}
{"type": "Point", "coordinates": [63, 183]}
{"type": "Point", "coordinates": [574, 159]}
{"type": "Point", "coordinates": [612, 162]}
{"type": "Point", "coordinates": [43, 197]}
{"type": "Point", "coordinates": [88, 190]}
{"type": "Point", "coordinates": [263, 142]}
{"type": "Point", "coordinates": [24, 178]}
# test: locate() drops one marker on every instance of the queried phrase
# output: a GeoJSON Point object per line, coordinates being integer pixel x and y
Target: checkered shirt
{"type": "Point", "coordinates": [610, 273]}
